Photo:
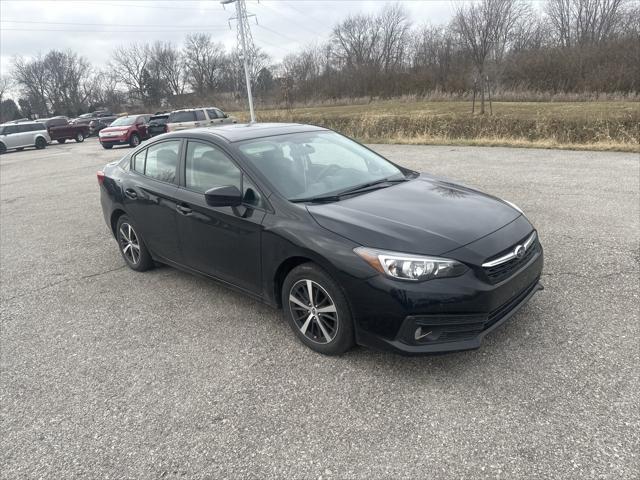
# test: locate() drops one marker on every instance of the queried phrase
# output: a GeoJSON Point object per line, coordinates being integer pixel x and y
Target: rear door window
{"type": "Point", "coordinates": [200, 115]}
{"type": "Point", "coordinates": [162, 161]}
{"type": "Point", "coordinates": [137, 161]}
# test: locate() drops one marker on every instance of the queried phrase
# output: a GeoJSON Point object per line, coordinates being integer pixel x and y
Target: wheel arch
{"type": "Point", "coordinates": [113, 221]}
{"type": "Point", "coordinates": [292, 262]}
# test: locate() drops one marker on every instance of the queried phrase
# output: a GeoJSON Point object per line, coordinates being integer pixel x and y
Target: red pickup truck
{"type": "Point", "coordinates": [61, 130]}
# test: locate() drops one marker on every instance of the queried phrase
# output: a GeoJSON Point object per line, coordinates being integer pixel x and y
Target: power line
{"type": "Point", "coordinates": [105, 31]}
{"type": "Point", "coordinates": [275, 32]}
{"type": "Point", "coordinates": [221, 27]}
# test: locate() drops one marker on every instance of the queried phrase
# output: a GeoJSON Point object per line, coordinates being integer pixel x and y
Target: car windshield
{"type": "Point", "coordinates": [123, 121]}
{"type": "Point", "coordinates": [308, 165]}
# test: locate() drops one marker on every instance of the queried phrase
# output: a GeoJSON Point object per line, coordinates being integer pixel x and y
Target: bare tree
{"type": "Point", "coordinates": [130, 63]}
{"type": "Point", "coordinates": [205, 61]}
{"type": "Point", "coordinates": [584, 22]}
{"type": "Point", "coordinates": [484, 29]}
{"type": "Point", "coordinates": [5, 85]}
{"type": "Point", "coordinates": [169, 63]}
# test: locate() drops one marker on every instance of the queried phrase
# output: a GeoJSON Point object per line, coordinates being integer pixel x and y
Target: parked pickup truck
{"type": "Point", "coordinates": [61, 130]}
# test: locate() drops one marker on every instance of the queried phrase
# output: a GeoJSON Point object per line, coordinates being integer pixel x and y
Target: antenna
{"type": "Point", "coordinates": [245, 41]}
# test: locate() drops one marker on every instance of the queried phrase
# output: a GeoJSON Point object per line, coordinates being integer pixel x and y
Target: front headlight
{"type": "Point", "coordinates": [403, 266]}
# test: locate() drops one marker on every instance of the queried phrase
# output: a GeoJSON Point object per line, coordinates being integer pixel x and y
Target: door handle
{"type": "Point", "coordinates": [131, 193]}
{"type": "Point", "coordinates": [184, 210]}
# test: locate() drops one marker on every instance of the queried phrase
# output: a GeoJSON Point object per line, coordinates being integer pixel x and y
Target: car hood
{"type": "Point", "coordinates": [115, 129]}
{"type": "Point", "coordinates": [425, 215]}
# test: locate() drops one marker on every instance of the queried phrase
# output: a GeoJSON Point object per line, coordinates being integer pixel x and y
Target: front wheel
{"type": "Point", "coordinates": [317, 310]}
{"type": "Point", "coordinates": [41, 143]}
{"type": "Point", "coordinates": [134, 141]}
{"type": "Point", "coordinates": [132, 246]}
{"type": "Point", "coordinates": [79, 137]}
{"type": "Point", "coordinates": [3, 148]}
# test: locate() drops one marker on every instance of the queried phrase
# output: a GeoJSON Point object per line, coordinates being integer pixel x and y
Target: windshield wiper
{"type": "Point", "coordinates": [382, 183]}
{"type": "Point", "coordinates": [366, 187]}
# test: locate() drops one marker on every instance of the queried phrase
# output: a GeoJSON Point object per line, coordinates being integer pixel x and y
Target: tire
{"type": "Point", "coordinates": [131, 245]}
{"type": "Point", "coordinates": [108, 147]}
{"type": "Point", "coordinates": [79, 137]}
{"type": "Point", "coordinates": [134, 140]}
{"type": "Point", "coordinates": [41, 143]}
{"type": "Point", "coordinates": [3, 149]}
{"type": "Point", "coordinates": [326, 326]}
{"type": "Point", "coordinates": [19, 149]}
{"type": "Point", "coordinates": [62, 140]}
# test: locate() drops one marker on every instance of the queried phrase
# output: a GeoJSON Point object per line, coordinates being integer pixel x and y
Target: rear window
{"type": "Point", "coordinates": [56, 122]}
{"type": "Point", "coordinates": [159, 118]}
{"type": "Point", "coordinates": [177, 117]}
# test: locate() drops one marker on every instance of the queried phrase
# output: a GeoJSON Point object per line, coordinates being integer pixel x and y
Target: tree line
{"type": "Point", "coordinates": [489, 46]}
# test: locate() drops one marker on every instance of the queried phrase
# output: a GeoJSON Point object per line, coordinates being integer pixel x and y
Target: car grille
{"type": "Point", "coordinates": [504, 309]}
{"type": "Point", "coordinates": [503, 271]}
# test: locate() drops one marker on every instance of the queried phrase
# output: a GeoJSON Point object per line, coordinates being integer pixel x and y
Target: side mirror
{"type": "Point", "coordinates": [224, 196]}
{"type": "Point", "coordinates": [226, 115]}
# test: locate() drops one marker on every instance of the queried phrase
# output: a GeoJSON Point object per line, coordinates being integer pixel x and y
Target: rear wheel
{"type": "Point", "coordinates": [317, 310]}
{"type": "Point", "coordinates": [132, 246]}
{"type": "Point", "coordinates": [134, 141]}
{"type": "Point", "coordinates": [79, 137]}
{"type": "Point", "coordinates": [62, 140]}
{"type": "Point", "coordinates": [108, 147]}
{"type": "Point", "coordinates": [41, 143]}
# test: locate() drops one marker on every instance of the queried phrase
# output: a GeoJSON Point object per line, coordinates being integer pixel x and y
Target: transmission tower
{"type": "Point", "coordinates": [245, 44]}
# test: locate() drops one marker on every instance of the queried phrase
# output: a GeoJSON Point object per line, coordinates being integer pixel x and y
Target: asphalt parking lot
{"type": "Point", "coordinates": [109, 373]}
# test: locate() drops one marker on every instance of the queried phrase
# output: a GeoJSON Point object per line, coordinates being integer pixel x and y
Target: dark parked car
{"type": "Point", "coordinates": [97, 124]}
{"type": "Point", "coordinates": [129, 130]}
{"type": "Point", "coordinates": [354, 248]}
{"type": "Point", "coordinates": [85, 118]}
{"type": "Point", "coordinates": [157, 124]}
{"type": "Point", "coordinates": [61, 130]}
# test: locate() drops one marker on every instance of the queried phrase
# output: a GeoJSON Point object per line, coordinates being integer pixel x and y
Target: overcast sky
{"type": "Point", "coordinates": [94, 28]}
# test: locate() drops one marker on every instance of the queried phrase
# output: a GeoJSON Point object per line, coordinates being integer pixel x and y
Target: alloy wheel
{"type": "Point", "coordinates": [129, 243]}
{"type": "Point", "coordinates": [314, 311]}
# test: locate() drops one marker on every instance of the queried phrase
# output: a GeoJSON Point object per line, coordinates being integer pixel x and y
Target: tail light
{"type": "Point", "coordinates": [100, 175]}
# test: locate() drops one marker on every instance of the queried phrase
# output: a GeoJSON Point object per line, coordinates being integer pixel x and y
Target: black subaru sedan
{"type": "Point", "coordinates": [352, 247]}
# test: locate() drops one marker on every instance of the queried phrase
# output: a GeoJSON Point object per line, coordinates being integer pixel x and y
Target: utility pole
{"type": "Point", "coordinates": [244, 37]}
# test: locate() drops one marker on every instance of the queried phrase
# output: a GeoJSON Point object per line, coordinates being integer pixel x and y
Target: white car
{"type": "Point", "coordinates": [19, 135]}
{"type": "Point", "coordinates": [197, 117]}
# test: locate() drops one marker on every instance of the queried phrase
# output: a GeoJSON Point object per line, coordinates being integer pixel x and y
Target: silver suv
{"type": "Point", "coordinates": [19, 135]}
{"type": "Point", "coordinates": [197, 117]}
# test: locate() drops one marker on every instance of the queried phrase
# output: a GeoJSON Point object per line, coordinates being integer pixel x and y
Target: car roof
{"type": "Point", "coordinates": [25, 122]}
{"type": "Point", "coordinates": [237, 132]}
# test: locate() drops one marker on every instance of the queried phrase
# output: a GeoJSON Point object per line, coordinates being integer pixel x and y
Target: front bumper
{"type": "Point", "coordinates": [119, 140]}
{"type": "Point", "coordinates": [444, 315]}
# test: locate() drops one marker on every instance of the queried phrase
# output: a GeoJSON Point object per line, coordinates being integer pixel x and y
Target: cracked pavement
{"type": "Point", "coordinates": [109, 373]}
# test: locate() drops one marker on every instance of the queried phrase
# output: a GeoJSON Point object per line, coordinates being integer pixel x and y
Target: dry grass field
{"type": "Point", "coordinates": [600, 125]}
